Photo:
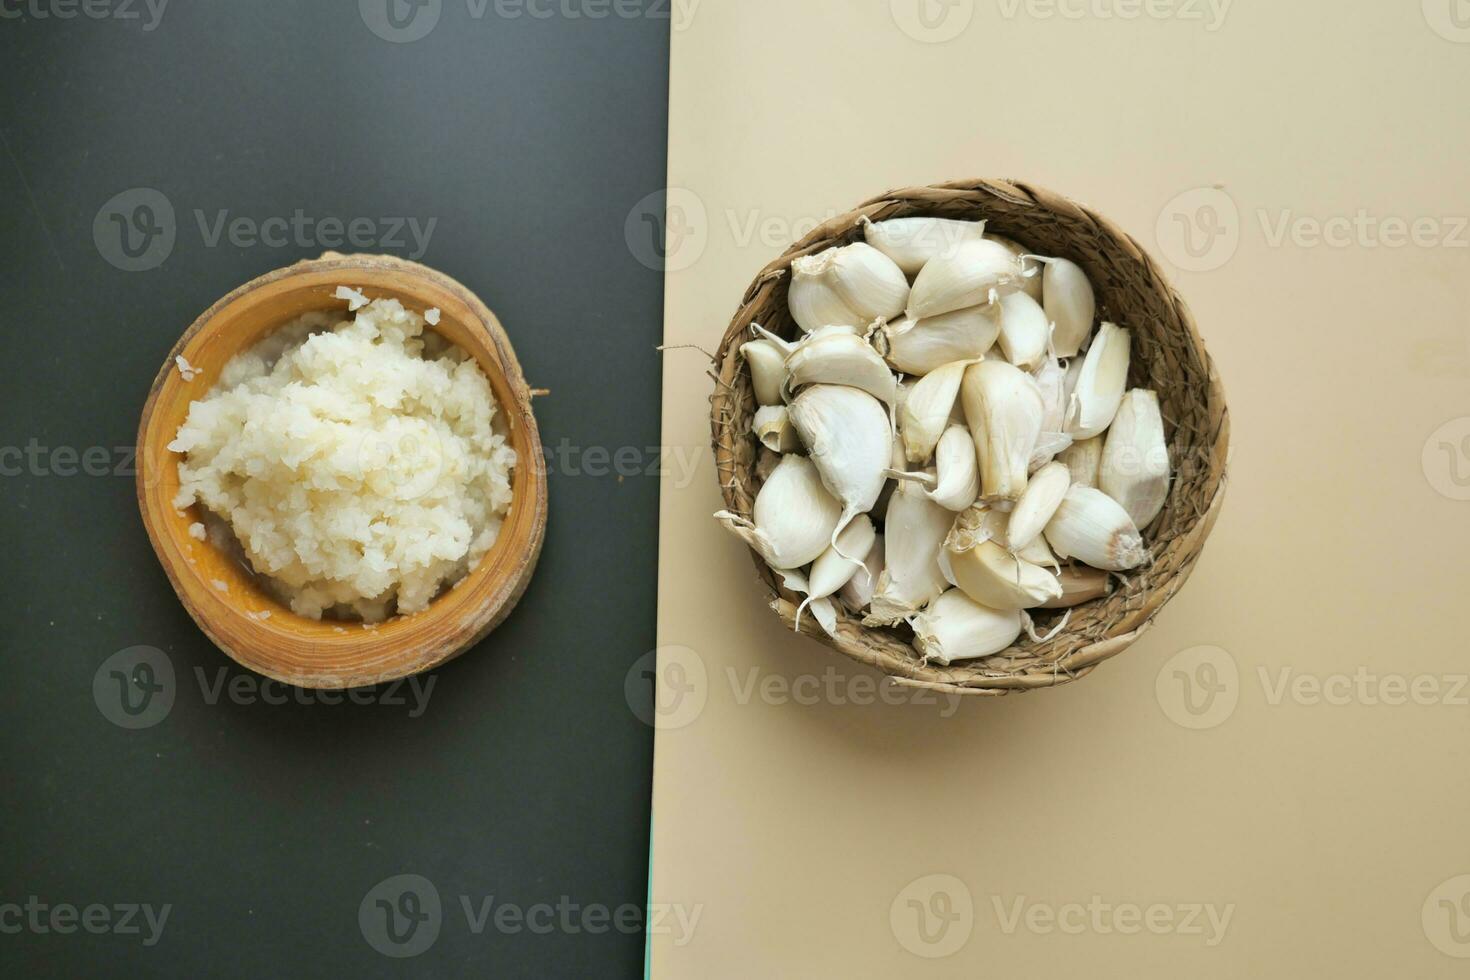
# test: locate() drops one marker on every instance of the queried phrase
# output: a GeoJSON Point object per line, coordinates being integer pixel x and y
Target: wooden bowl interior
{"type": "Point", "coordinates": [293, 648]}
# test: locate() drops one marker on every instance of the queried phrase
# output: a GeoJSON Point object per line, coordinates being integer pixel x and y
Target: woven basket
{"type": "Point", "coordinates": [1168, 356]}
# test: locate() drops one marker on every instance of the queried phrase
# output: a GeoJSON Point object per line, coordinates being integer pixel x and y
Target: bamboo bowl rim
{"type": "Point", "coordinates": [283, 645]}
{"type": "Point", "coordinates": [1169, 356]}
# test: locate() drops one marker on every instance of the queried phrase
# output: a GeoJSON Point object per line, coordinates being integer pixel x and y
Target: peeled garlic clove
{"type": "Point", "coordinates": [1080, 584]}
{"type": "Point", "coordinates": [927, 410]}
{"type": "Point", "coordinates": [1070, 305]}
{"type": "Point", "coordinates": [858, 591]}
{"type": "Point", "coordinates": [795, 518]}
{"type": "Point", "coordinates": [994, 577]}
{"type": "Point", "coordinates": [767, 363]}
{"type": "Point", "coordinates": [1094, 528]}
{"type": "Point", "coordinates": [868, 282]}
{"type": "Point", "coordinates": [772, 426]}
{"type": "Point", "coordinates": [971, 274]}
{"type": "Point", "coordinates": [1083, 459]}
{"type": "Point", "coordinates": [1135, 458]}
{"type": "Point", "coordinates": [1004, 408]}
{"type": "Point", "coordinates": [913, 535]}
{"type": "Point", "coordinates": [955, 627]}
{"type": "Point", "coordinates": [813, 301]}
{"type": "Point", "coordinates": [918, 347]}
{"type": "Point", "coordinates": [837, 357]}
{"type": "Point", "coordinates": [1025, 331]}
{"type": "Point", "coordinates": [1101, 383]}
{"type": "Point", "coordinates": [850, 439]}
{"type": "Point", "coordinates": [1044, 493]}
{"type": "Point", "coordinates": [911, 242]}
{"type": "Point", "coordinates": [1031, 269]}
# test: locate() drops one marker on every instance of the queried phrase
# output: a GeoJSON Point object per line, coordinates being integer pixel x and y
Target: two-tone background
{"type": "Point", "coordinates": [1269, 784]}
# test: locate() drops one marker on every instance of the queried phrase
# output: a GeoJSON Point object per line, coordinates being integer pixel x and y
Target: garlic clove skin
{"type": "Point", "coordinates": [1135, 459]}
{"type": "Point", "coordinates": [1031, 269]}
{"type": "Point", "coordinates": [772, 426]}
{"type": "Point", "coordinates": [1025, 332]}
{"type": "Point", "coordinates": [928, 408]}
{"type": "Point", "coordinates": [850, 438]}
{"type": "Point", "coordinates": [767, 364]}
{"type": "Point", "coordinates": [912, 242]}
{"type": "Point", "coordinates": [1094, 528]}
{"type": "Point", "coordinates": [1004, 410]}
{"type": "Point", "coordinates": [959, 471]}
{"type": "Point", "coordinates": [867, 281]}
{"type": "Point", "coordinates": [917, 347]}
{"type": "Point", "coordinates": [1051, 378]}
{"type": "Point", "coordinates": [955, 627]}
{"type": "Point", "coordinates": [834, 569]}
{"type": "Point", "coordinates": [836, 356]}
{"type": "Point", "coordinates": [1080, 584]}
{"type": "Point", "coordinates": [1083, 459]}
{"type": "Point", "coordinates": [794, 517]}
{"type": "Point", "coordinates": [971, 274]}
{"type": "Point", "coordinates": [1038, 552]}
{"type": "Point", "coordinates": [858, 591]}
{"type": "Point", "coordinates": [913, 536]}
{"type": "Point", "coordinates": [993, 577]}
{"type": "Point", "coordinates": [812, 300]}
{"type": "Point", "coordinates": [1044, 493]}
{"type": "Point", "coordinates": [1069, 303]}
{"type": "Point", "coordinates": [1101, 383]}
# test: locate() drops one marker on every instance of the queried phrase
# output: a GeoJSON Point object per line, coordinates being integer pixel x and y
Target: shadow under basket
{"type": "Point", "coordinates": [1168, 356]}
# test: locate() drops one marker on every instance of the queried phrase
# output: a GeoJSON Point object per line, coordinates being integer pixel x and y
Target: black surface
{"type": "Point", "coordinates": [264, 826]}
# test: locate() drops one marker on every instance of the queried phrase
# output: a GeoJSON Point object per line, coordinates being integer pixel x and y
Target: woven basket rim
{"type": "Point", "coordinates": [886, 648]}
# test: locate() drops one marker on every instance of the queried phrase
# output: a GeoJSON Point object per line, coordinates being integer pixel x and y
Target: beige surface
{"type": "Point", "coordinates": [1321, 824]}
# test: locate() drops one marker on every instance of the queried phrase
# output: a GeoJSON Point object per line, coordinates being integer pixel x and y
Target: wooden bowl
{"type": "Point", "coordinates": [291, 648]}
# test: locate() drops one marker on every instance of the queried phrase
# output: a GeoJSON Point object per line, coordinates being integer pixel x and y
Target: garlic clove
{"type": "Point", "coordinates": [767, 363]}
{"type": "Point", "coordinates": [959, 472]}
{"type": "Point", "coordinates": [1044, 493]}
{"type": "Point", "coordinates": [971, 274]}
{"type": "Point", "coordinates": [1083, 459]}
{"type": "Point", "coordinates": [913, 536]}
{"type": "Point", "coordinates": [834, 568]}
{"type": "Point", "coordinates": [1094, 528]}
{"type": "Point", "coordinates": [992, 576]}
{"type": "Point", "coordinates": [1003, 406]}
{"type": "Point", "coordinates": [1080, 584]}
{"type": "Point", "coordinates": [772, 426]}
{"type": "Point", "coordinates": [912, 242]}
{"type": "Point", "coordinates": [955, 627]}
{"type": "Point", "coordinates": [1100, 384]}
{"type": "Point", "coordinates": [1051, 378]}
{"type": "Point", "coordinates": [813, 301]}
{"type": "Point", "coordinates": [858, 591]}
{"type": "Point", "coordinates": [838, 357]}
{"type": "Point", "coordinates": [1038, 552]}
{"type": "Point", "coordinates": [1031, 268]}
{"type": "Point", "coordinates": [1135, 459]}
{"type": "Point", "coordinates": [794, 518]}
{"type": "Point", "coordinates": [1069, 302]}
{"type": "Point", "coordinates": [869, 282]}
{"type": "Point", "coordinates": [927, 409]}
{"type": "Point", "coordinates": [850, 438]}
{"type": "Point", "coordinates": [1025, 332]}
{"type": "Point", "coordinates": [918, 347]}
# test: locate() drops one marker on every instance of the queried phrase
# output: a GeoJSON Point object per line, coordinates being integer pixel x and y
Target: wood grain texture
{"type": "Point", "coordinates": [285, 646]}
{"type": "Point", "coordinates": [1169, 356]}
